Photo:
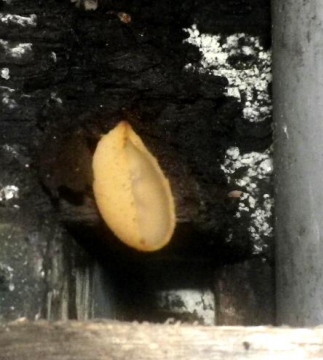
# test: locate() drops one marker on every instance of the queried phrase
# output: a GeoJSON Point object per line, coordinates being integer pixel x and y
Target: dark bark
{"type": "Point", "coordinates": [79, 74]}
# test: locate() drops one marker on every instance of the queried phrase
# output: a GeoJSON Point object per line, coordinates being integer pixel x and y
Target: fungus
{"type": "Point", "coordinates": [133, 195]}
{"type": "Point", "coordinates": [235, 194]}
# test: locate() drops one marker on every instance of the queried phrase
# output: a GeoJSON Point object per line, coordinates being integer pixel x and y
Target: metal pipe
{"type": "Point", "coordinates": [298, 118]}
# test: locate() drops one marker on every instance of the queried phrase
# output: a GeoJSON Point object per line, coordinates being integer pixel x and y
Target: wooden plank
{"type": "Point", "coordinates": [118, 340]}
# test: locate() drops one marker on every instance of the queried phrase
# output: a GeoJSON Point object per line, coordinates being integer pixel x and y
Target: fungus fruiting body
{"type": "Point", "coordinates": [132, 194]}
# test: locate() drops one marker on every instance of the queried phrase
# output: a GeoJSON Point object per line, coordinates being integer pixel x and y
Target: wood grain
{"type": "Point", "coordinates": [118, 340]}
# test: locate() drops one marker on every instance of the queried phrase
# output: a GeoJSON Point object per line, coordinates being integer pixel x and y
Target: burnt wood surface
{"type": "Point", "coordinates": [79, 74]}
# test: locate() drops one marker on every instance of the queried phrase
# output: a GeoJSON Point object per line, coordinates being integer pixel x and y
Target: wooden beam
{"type": "Point", "coordinates": [133, 341]}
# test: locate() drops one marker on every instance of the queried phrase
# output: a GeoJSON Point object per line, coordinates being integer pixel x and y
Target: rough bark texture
{"type": "Point", "coordinates": [133, 341]}
{"type": "Point", "coordinates": [76, 75]}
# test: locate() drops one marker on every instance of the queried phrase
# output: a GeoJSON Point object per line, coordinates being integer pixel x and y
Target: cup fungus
{"type": "Point", "coordinates": [132, 193]}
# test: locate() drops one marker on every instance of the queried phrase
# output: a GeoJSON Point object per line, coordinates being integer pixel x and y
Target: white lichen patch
{"type": "Point", "coordinates": [6, 97]}
{"type": "Point", "coordinates": [11, 150]}
{"type": "Point", "coordinates": [12, 52]}
{"type": "Point", "coordinates": [30, 20]}
{"type": "Point", "coordinates": [200, 303]}
{"type": "Point", "coordinates": [253, 168]}
{"type": "Point", "coordinates": [15, 50]}
{"type": "Point", "coordinates": [5, 73]}
{"type": "Point", "coordinates": [9, 192]}
{"type": "Point", "coordinates": [242, 60]}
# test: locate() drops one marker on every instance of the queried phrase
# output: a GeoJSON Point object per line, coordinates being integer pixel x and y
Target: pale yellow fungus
{"type": "Point", "coordinates": [132, 193]}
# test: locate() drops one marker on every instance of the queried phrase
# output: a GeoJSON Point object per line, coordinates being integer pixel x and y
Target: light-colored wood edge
{"type": "Point", "coordinates": [117, 340]}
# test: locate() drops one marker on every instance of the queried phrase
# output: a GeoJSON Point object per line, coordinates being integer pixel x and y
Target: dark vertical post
{"type": "Point", "coordinates": [298, 114]}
